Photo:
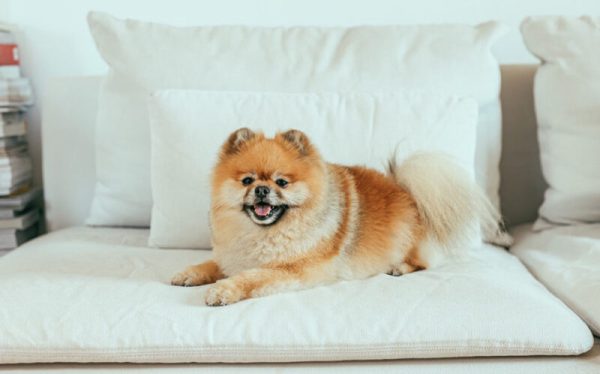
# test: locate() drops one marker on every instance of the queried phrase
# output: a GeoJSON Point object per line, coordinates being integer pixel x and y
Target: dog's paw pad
{"type": "Point", "coordinates": [224, 292]}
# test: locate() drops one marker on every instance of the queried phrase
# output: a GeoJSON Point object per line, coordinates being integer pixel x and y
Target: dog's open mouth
{"type": "Point", "coordinates": [265, 214]}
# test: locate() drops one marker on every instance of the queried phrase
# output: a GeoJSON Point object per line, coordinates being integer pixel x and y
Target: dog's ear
{"type": "Point", "coordinates": [297, 139]}
{"type": "Point", "coordinates": [237, 139]}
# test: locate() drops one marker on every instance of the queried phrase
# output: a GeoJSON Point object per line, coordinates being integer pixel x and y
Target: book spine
{"type": "Point", "coordinates": [9, 55]}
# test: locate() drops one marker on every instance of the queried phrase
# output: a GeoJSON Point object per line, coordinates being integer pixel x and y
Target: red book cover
{"type": "Point", "coordinates": [9, 54]}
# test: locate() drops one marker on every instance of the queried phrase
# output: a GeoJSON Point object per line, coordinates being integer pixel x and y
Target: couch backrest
{"type": "Point", "coordinates": [68, 149]}
{"type": "Point", "coordinates": [522, 185]}
{"type": "Point", "coordinates": [69, 116]}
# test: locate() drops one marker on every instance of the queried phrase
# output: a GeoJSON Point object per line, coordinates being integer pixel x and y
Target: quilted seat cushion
{"type": "Point", "coordinates": [566, 259]}
{"type": "Point", "coordinates": [101, 295]}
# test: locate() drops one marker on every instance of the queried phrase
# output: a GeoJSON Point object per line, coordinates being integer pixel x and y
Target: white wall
{"type": "Point", "coordinates": [54, 39]}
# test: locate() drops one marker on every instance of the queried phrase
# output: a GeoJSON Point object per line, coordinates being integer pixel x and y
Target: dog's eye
{"type": "Point", "coordinates": [281, 182]}
{"type": "Point", "coordinates": [246, 181]}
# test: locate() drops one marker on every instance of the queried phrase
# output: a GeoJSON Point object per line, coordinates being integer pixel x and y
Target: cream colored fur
{"type": "Point", "coordinates": [456, 211]}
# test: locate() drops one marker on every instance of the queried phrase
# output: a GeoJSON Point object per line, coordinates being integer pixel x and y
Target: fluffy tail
{"type": "Point", "coordinates": [454, 208]}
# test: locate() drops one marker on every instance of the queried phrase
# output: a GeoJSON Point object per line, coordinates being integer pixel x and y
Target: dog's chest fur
{"type": "Point", "coordinates": [253, 250]}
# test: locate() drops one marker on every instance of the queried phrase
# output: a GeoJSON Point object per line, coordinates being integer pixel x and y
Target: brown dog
{"type": "Point", "coordinates": [284, 219]}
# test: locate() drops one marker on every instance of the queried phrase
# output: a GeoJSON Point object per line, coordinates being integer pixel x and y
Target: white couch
{"type": "Point", "coordinates": [69, 177]}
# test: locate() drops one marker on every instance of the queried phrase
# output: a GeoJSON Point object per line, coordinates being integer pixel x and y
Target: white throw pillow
{"type": "Point", "coordinates": [567, 104]}
{"type": "Point", "coordinates": [144, 57]}
{"type": "Point", "coordinates": [189, 127]}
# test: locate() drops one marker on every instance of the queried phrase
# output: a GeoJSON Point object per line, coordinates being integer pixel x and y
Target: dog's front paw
{"type": "Point", "coordinates": [190, 277]}
{"type": "Point", "coordinates": [224, 292]}
{"type": "Point", "coordinates": [401, 269]}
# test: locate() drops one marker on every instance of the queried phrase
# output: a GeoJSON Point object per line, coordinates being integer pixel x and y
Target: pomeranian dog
{"type": "Point", "coordinates": [284, 219]}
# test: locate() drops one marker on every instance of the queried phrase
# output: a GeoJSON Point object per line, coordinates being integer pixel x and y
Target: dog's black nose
{"type": "Point", "coordinates": [261, 191]}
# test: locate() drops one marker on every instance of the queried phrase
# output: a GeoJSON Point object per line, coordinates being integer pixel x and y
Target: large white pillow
{"type": "Point", "coordinates": [567, 104]}
{"type": "Point", "coordinates": [143, 57]}
{"type": "Point", "coordinates": [188, 128]}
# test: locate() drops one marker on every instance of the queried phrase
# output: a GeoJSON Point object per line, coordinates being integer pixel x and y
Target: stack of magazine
{"type": "Point", "coordinates": [19, 201]}
{"type": "Point", "coordinates": [19, 218]}
{"type": "Point", "coordinates": [15, 163]}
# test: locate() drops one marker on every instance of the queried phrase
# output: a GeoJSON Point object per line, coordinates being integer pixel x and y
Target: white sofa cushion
{"type": "Point", "coordinates": [144, 57]}
{"type": "Point", "coordinates": [567, 97]}
{"type": "Point", "coordinates": [189, 127]}
{"type": "Point", "coordinates": [100, 295]}
{"type": "Point", "coordinates": [567, 261]}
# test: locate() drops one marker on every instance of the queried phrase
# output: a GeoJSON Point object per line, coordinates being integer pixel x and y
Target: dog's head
{"type": "Point", "coordinates": [265, 178]}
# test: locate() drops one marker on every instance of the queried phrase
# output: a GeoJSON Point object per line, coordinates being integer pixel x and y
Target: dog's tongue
{"type": "Point", "coordinates": [262, 210]}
